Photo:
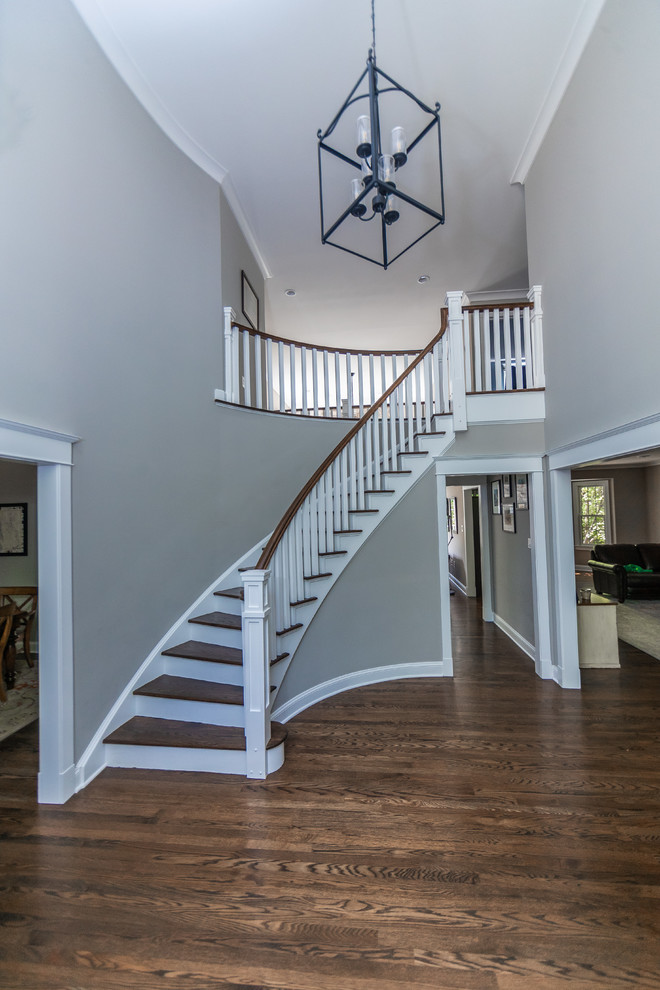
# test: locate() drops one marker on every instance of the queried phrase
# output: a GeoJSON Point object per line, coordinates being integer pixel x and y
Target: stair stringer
{"type": "Point", "coordinates": [95, 757]}
{"type": "Point", "coordinates": [436, 447]}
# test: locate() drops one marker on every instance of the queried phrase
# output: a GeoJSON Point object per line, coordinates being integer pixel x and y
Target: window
{"type": "Point", "coordinates": [592, 517]}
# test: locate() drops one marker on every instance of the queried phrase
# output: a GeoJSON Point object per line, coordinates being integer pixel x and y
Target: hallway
{"type": "Point", "coordinates": [490, 832]}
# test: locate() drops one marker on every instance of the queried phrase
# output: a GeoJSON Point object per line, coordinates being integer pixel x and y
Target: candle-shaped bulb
{"type": "Point", "coordinates": [399, 150]}
{"type": "Point", "coordinates": [363, 137]}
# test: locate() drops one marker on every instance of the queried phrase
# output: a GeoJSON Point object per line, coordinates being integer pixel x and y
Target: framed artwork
{"type": "Point", "coordinates": [249, 302]}
{"type": "Point", "coordinates": [506, 486]}
{"type": "Point", "coordinates": [496, 497]}
{"type": "Point", "coordinates": [13, 529]}
{"type": "Point", "coordinates": [509, 517]}
{"type": "Point", "coordinates": [522, 498]}
{"type": "Point", "coordinates": [453, 514]}
{"type": "Point", "coordinates": [449, 515]}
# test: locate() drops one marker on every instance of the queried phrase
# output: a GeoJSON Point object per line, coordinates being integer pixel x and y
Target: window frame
{"type": "Point", "coordinates": [607, 486]}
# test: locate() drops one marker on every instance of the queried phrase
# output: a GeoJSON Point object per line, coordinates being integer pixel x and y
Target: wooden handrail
{"type": "Point", "coordinates": [320, 347]}
{"type": "Point", "coordinates": [284, 522]}
{"type": "Point", "coordinates": [485, 308]}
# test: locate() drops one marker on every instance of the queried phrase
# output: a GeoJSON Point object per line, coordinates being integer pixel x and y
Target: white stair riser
{"type": "Point", "coordinates": [190, 711]}
{"type": "Point", "coordinates": [216, 635]}
{"type": "Point", "coordinates": [203, 670]}
{"type": "Point", "coordinates": [194, 760]}
{"type": "Point", "coordinates": [233, 606]}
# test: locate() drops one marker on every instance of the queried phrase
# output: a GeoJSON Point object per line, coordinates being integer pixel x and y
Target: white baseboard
{"type": "Point", "coordinates": [56, 789]}
{"type": "Point", "coordinates": [359, 678]}
{"type": "Point", "coordinates": [514, 635]}
{"type": "Point", "coordinates": [458, 584]}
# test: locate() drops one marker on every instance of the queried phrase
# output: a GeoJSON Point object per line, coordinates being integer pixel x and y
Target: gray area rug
{"type": "Point", "coordinates": [638, 623]}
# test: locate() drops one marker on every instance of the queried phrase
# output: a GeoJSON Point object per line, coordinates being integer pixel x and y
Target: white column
{"type": "Point", "coordinates": [538, 372]}
{"type": "Point", "coordinates": [56, 759]}
{"type": "Point", "coordinates": [256, 670]}
{"type": "Point", "coordinates": [540, 584]}
{"type": "Point", "coordinates": [230, 317]}
{"type": "Point", "coordinates": [443, 560]}
{"type": "Point", "coordinates": [567, 665]}
{"type": "Point", "coordinates": [457, 358]}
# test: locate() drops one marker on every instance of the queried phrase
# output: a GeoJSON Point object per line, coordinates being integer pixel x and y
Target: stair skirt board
{"type": "Point", "coordinates": [193, 760]}
{"type": "Point", "coordinates": [360, 678]}
{"type": "Point", "coordinates": [94, 759]}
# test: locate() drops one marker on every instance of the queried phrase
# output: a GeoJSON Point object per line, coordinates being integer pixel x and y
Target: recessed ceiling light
{"type": "Point", "coordinates": [423, 279]}
{"type": "Point", "coordinates": [290, 292]}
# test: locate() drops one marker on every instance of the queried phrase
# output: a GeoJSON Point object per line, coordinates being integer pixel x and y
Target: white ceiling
{"type": "Point", "coordinates": [244, 85]}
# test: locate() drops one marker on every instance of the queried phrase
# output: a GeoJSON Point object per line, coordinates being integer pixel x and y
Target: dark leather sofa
{"type": "Point", "coordinates": [608, 564]}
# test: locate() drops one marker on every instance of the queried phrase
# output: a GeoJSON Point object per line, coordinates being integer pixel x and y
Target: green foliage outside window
{"type": "Point", "coordinates": [592, 514]}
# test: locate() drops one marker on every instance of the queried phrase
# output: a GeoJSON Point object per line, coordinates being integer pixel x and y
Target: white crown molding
{"type": "Point", "coordinates": [110, 43]}
{"type": "Point", "coordinates": [577, 42]}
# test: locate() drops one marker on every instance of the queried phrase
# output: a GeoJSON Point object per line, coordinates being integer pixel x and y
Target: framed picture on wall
{"type": "Point", "coordinates": [249, 302]}
{"type": "Point", "coordinates": [496, 497]}
{"type": "Point", "coordinates": [13, 529]}
{"type": "Point", "coordinates": [506, 486]}
{"type": "Point", "coordinates": [522, 498]}
{"type": "Point", "coordinates": [449, 515]}
{"type": "Point", "coordinates": [509, 517]}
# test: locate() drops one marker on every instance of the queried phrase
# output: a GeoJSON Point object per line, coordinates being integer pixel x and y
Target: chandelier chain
{"type": "Point", "coordinates": [373, 27]}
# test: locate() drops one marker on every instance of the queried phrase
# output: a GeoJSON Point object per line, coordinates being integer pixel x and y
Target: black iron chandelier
{"type": "Point", "coordinates": [401, 220]}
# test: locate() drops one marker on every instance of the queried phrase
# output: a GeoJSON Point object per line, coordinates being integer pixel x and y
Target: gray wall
{"type": "Point", "coordinates": [385, 610]}
{"type": "Point", "coordinates": [236, 256]}
{"type": "Point", "coordinates": [111, 311]}
{"type": "Point", "coordinates": [653, 504]}
{"type": "Point", "coordinates": [18, 483]}
{"type": "Point", "coordinates": [456, 541]}
{"type": "Point", "coordinates": [511, 561]}
{"type": "Point", "coordinates": [593, 230]}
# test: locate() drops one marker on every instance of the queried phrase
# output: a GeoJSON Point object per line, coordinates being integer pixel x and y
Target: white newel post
{"type": "Point", "coordinates": [256, 670]}
{"type": "Point", "coordinates": [231, 386]}
{"type": "Point", "coordinates": [457, 358]}
{"type": "Point", "coordinates": [538, 372]}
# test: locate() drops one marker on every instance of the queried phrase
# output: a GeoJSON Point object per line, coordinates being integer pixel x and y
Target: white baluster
{"type": "Point", "coordinates": [360, 373]}
{"type": "Point", "coordinates": [269, 373]}
{"type": "Point", "coordinates": [258, 384]}
{"type": "Point", "coordinates": [235, 364]}
{"type": "Point", "coordinates": [256, 670]}
{"type": "Point", "coordinates": [345, 468]}
{"type": "Point", "coordinates": [349, 387]}
{"type": "Point", "coordinates": [507, 349]}
{"type": "Point", "coordinates": [336, 497]}
{"type": "Point", "coordinates": [303, 370]}
{"type": "Point", "coordinates": [292, 372]}
{"type": "Point", "coordinates": [280, 361]}
{"type": "Point", "coordinates": [368, 453]}
{"type": "Point", "coordinates": [428, 389]}
{"type": "Point", "coordinates": [411, 413]}
{"type": "Point", "coordinates": [230, 317]}
{"type": "Point", "coordinates": [476, 336]}
{"type": "Point", "coordinates": [315, 380]}
{"type": "Point", "coordinates": [497, 350]}
{"type": "Point", "coordinates": [376, 436]}
{"type": "Point", "coordinates": [326, 383]}
{"type": "Point", "coordinates": [467, 346]}
{"type": "Point", "coordinates": [372, 381]}
{"type": "Point", "coordinates": [337, 386]}
{"type": "Point", "coordinates": [359, 449]}
{"type": "Point", "coordinates": [418, 398]}
{"type": "Point", "coordinates": [527, 348]}
{"type": "Point", "coordinates": [485, 317]}
{"type": "Point", "coordinates": [517, 330]}
{"type": "Point", "coordinates": [247, 370]}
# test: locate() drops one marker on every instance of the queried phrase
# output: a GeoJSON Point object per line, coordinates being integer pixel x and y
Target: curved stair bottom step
{"type": "Point", "coordinates": [164, 744]}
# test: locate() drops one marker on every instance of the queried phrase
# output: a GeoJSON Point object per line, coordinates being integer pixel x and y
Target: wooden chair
{"type": "Point", "coordinates": [7, 613]}
{"type": "Point", "coordinates": [23, 602]}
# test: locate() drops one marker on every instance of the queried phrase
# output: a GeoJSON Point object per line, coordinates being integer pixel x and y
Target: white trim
{"type": "Point", "coordinates": [491, 464]}
{"type": "Point", "coordinates": [497, 297]}
{"type": "Point", "coordinates": [105, 35]}
{"type": "Point", "coordinates": [458, 585]}
{"type": "Point", "coordinates": [642, 434]}
{"type": "Point", "coordinates": [540, 582]}
{"type": "Point", "coordinates": [577, 42]}
{"type": "Point", "coordinates": [32, 443]}
{"type": "Point", "coordinates": [515, 636]}
{"type": "Point", "coordinates": [566, 671]}
{"type": "Point", "coordinates": [94, 759]}
{"type": "Point", "coordinates": [490, 408]}
{"type": "Point", "coordinates": [443, 564]}
{"type": "Point", "coordinates": [607, 485]}
{"type": "Point", "coordinates": [359, 678]}
{"type": "Point", "coordinates": [486, 564]}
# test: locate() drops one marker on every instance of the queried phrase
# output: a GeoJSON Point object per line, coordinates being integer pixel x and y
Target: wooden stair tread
{"type": "Point", "coordinates": [236, 593]}
{"type": "Point", "coordinates": [143, 731]}
{"type": "Point", "coordinates": [431, 433]}
{"type": "Point", "coordinates": [396, 472]}
{"type": "Point", "coordinates": [188, 689]}
{"type": "Point", "coordinates": [221, 619]}
{"type": "Point", "coordinates": [314, 577]}
{"type": "Point", "coordinates": [364, 512]}
{"type": "Point", "coordinates": [379, 491]}
{"type": "Point", "coordinates": [192, 649]}
{"type": "Point", "coordinates": [345, 532]}
{"type": "Point", "coordinates": [413, 453]}
{"type": "Point", "coordinates": [304, 601]}
{"type": "Point", "coordinates": [282, 632]}
{"type": "Point", "coordinates": [333, 553]}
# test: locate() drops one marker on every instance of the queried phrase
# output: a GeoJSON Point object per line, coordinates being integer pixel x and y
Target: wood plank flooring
{"type": "Point", "coordinates": [490, 832]}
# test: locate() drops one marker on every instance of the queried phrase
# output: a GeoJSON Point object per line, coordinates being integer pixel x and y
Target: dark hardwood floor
{"type": "Point", "coordinates": [490, 831]}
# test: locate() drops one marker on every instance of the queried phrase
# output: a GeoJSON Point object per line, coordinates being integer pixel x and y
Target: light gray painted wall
{"type": "Point", "coordinates": [512, 573]}
{"type": "Point", "coordinates": [593, 231]}
{"type": "Point", "coordinates": [385, 610]}
{"type": "Point", "coordinates": [111, 312]}
{"type": "Point", "coordinates": [18, 483]}
{"type": "Point", "coordinates": [236, 256]}
{"type": "Point", "coordinates": [653, 504]}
